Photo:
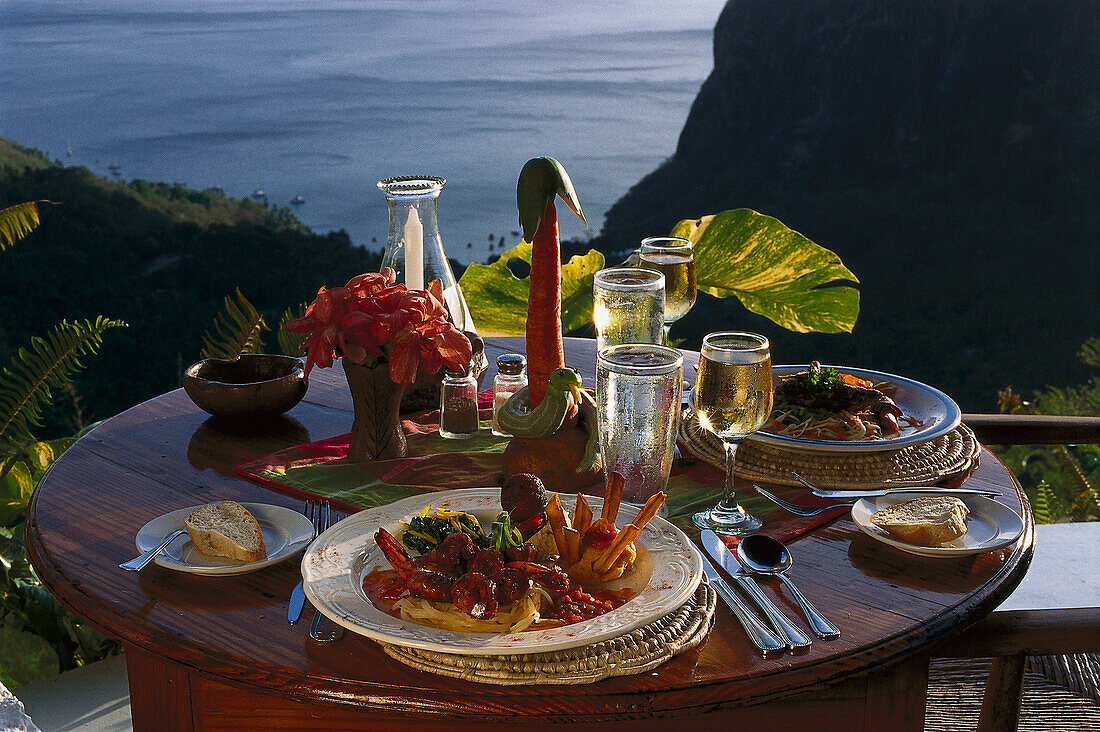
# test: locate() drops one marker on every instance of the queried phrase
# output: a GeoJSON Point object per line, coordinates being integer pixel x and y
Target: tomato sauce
{"type": "Point", "coordinates": [384, 587]}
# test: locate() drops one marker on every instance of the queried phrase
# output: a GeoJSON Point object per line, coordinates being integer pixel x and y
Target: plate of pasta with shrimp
{"type": "Point", "coordinates": [841, 409]}
{"type": "Point", "coordinates": [501, 571]}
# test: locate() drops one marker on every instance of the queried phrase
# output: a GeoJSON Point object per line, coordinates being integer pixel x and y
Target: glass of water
{"type": "Point", "coordinates": [638, 399]}
{"type": "Point", "coordinates": [628, 306]}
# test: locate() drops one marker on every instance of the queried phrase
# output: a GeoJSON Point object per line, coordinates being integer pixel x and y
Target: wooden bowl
{"type": "Point", "coordinates": [252, 385]}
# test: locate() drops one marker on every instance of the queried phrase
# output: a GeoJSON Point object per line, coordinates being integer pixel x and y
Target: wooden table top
{"type": "Point", "coordinates": [166, 454]}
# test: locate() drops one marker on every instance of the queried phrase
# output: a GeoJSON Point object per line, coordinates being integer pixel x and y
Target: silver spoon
{"type": "Point", "coordinates": [765, 555]}
{"type": "Point", "coordinates": [137, 563]}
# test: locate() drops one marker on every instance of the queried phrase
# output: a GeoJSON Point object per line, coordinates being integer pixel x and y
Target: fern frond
{"type": "Point", "coordinates": [1043, 506]}
{"type": "Point", "coordinates": [237, 330]}
{"type": "Point", "coordinates": [26, 383]}
{"type": "Point", "coordinates": [292, 344]}
{"type": "Point", "coordinates": [1090, 353]}
{"type": "Point", "coordinates": [16, 222]}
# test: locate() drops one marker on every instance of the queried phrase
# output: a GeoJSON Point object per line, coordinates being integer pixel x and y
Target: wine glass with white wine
{"type": "Point", "coordinates": [675, 259]}
{"type": "Point", "coordinates": [733, 399]}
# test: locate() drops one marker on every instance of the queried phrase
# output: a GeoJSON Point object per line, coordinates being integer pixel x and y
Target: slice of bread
{"type": "Point", "coordinates": [226, 529]}
{"type": "Point", "coordinates": [925, 521]}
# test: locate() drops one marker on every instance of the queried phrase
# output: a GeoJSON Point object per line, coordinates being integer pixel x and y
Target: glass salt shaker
{"type": "Point", "coordinates": [458, 405]}
{"type": "Point", "coordinates": [511, 377]}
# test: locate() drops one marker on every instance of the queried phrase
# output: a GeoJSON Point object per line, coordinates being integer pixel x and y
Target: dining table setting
{"type": "Point", "coordinates": [415, 526]}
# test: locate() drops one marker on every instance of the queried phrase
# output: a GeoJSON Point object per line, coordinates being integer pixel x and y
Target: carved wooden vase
{"type": "Point", "coordinates": [376, 433]}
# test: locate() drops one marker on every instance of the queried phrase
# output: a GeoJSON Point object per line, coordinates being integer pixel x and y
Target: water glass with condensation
{"type": "Point", "coordinates": [638, 400]}
{"type": "Point", "coordinates": [628, 306]}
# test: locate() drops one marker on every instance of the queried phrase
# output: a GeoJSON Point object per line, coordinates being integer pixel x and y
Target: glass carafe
{"type": "Point", "coordinates": [413, 246]}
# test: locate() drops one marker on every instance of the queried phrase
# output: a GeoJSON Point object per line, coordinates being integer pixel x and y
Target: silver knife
{"type": "Point", "coordinates": [790, 633]}
{"type": "Point", "coordinates": [758, 633]}
{"type": "Point", "coordinates": [297, 602]}
{"type": "Point", "coordinates": [925, 490]}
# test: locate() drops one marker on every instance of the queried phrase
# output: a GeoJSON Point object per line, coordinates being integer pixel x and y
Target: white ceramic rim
{"type": "Point", "coordinates": [334, 564]}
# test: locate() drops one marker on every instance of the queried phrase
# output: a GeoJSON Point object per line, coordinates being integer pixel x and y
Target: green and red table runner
{"type": "Point", "coordinates": [321, 470]}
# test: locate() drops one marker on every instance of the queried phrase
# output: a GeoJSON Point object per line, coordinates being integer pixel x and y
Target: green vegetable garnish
{"type": "Point", "coordinates": [425, 532]}
{"type": "Point", "coordinates": [504, 534]}
{"type": "Point", "coordinates": [820, 378]}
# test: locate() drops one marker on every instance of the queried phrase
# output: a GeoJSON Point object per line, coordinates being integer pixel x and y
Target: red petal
{"type": "Point", "coordinates": [403, 363]}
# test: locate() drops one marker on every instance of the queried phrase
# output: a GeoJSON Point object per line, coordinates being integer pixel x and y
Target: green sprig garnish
{"type": "Point", "coordinates": [503, 534]}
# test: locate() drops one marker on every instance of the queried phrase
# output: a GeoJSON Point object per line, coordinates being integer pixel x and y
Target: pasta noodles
{"type": "Point", "coordinates": [513, 618]}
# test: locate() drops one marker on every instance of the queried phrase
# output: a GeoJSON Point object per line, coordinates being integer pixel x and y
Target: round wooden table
{"type": "Point", "coordinates": [218, 653]}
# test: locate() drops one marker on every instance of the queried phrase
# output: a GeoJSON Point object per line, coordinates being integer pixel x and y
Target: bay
{"type": "Point", "coordinates": [322, 100]}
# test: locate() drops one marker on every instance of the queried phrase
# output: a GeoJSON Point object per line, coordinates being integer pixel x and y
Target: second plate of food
{"type": "Point", "coordinates": [666, 572]}
{"type": "Point", "coordinates": [990, 525]}
{"type": "Point", "coordinates": [927, 413]}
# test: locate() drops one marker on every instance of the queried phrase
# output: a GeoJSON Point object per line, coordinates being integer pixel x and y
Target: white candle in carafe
{"type": "Point", "coordinates": [414, 251]}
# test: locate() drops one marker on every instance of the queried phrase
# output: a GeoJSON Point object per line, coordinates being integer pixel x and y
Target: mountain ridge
{"type": "Point", "coordinates": [947, 151]}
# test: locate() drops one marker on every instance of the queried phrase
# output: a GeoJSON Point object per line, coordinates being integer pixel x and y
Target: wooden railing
{"type": "Point", "coordinates": [1033, 429]}
{"type": "Point", "coordinates": [1060, 621]}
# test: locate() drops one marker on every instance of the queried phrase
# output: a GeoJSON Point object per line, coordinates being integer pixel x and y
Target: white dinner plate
{"type": "Point", "coordinates": [991, 525]}
{"type": "Point", "coordinates": [285, 532]}
{"type": "Point", "coordinates": [937, 411]}
{"type": "Point", "coordinates": [334, 567]}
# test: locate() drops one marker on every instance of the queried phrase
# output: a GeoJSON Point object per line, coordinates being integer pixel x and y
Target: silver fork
{"type": "Point", "coordinates": [794, 507]}
{"type": "Point", "coordinates": [298, 594]}
{"type": "Point", "coordinates": [322, 629]}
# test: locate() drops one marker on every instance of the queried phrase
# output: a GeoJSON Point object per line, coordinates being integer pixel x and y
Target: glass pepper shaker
{"type": "Point", "coordinates": [511, 377]}
{"type": "Point", "coordinates": [458, 405]}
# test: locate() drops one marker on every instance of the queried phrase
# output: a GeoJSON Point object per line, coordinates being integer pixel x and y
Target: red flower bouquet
{"type": "Point", "coordinates": [370, 320]}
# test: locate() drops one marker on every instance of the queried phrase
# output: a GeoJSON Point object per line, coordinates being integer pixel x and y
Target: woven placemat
{"type": "Point", "coordinates": [949, 458]}
{"type": "Point", "coordinates": [640, 650]}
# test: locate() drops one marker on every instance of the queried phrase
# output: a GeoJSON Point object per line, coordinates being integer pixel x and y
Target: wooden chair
{"type": "Point", "coordinates": [1056, 609]}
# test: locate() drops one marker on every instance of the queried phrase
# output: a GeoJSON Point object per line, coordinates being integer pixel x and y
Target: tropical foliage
{"type": "Point", "coordinates": [238, 329]}
{"type": "Point", "coordinates": [26, 387]}
{"type": "Point", "coordinates": [16, 222]}
{"type": "Point", "coordinates": [1061, 480]}
{"type": "Point", "coordinates": [498, 299]}
{"type": "Point", "coordinates": [46, 364]}
{"type": "Point", "coordinates": [774, 271]}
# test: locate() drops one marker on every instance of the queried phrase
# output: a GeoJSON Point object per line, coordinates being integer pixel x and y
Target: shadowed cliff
{"type": "Point", "coordinates": [948, 151]}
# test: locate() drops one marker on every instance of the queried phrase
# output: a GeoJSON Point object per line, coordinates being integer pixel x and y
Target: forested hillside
{"type": "Point", "coordinates": [161, 257]}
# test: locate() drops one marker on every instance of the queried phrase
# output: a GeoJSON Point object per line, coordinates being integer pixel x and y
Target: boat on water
{"type": "Point", "coordinates": [297, 200]}
{"type": "Point", "coordinates": [259, 194]}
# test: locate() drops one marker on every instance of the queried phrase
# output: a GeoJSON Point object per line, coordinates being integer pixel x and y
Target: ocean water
{"type": "Point", "coordinates": [323, 99]}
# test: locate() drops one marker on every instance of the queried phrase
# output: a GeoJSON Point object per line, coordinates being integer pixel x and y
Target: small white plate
{"type": "Point", "coordinates": [990, 526]}
{"type": "Point", "coordinates": [334, 567]}
{"type": "Point", "coordinates": [285, 532]}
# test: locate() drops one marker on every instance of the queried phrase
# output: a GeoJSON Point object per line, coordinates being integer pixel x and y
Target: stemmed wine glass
{"type": "Point", "coordinates": [733, 399]}
{"type": "Point", "coordinates": [673, 257]}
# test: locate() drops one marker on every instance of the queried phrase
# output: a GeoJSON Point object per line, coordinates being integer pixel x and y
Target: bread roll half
{"type": "Point", "coordinates": [928, 521]}
{"type": "Point", "coordinates": [226, 529]}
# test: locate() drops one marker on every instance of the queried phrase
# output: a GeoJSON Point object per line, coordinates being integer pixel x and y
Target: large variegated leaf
{"type": "Point", "coordinates": [498, 299]}
{"type": "Point", "coordinates": [774, 271]}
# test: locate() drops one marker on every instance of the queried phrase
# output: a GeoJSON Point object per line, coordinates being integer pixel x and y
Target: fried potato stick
{"type": "Point", "coordinates": [613, 496]}
{"type": "Point", "coordinates": [572, 546]}
{"type": "Point", "coordinates": [556, 516]}
{"type": "Point", "coordinates": [582, 515]}
{"type": "Point", "coordinates": [625, 537]}
{"type": "Point", "coordinates": [649, 510]}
